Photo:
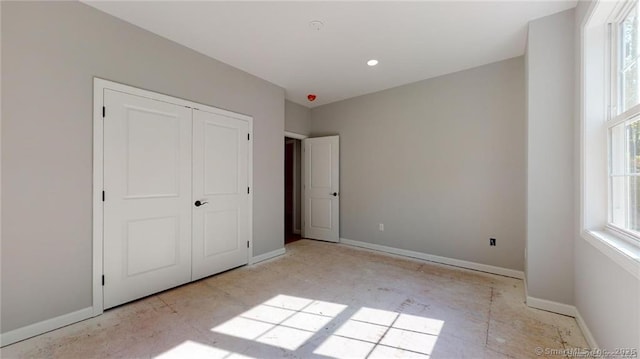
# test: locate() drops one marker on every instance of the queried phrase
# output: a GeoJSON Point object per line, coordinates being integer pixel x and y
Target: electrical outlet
{"type": "Point", "coordinates": [492, 242]}
{"type": "Point", "coordinates": [381, 227]}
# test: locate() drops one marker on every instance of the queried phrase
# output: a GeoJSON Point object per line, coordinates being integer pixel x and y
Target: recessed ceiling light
{"type": "Point", "coordinates": [372, 62]}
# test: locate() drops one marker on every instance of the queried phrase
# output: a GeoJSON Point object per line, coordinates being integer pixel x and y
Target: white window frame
{"type": "Point", "coordinates": [594, 112]}
{"type": "Point", "coordinates": [614, 118]}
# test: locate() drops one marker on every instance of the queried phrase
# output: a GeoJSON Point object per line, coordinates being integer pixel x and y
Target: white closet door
{"type": "Point", "coordinates": [322, 188]}
{"type": "Point", "coordinates": [220, 183]}
{"type": "Point", "coordinates": [147, 209]}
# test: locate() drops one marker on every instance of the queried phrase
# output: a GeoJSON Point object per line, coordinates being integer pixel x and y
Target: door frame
{"type": "Point", "coordinates": [99, 85]}
{"type": "Point", "coordinates": [294, 135]}
{"type": "Point", "coordinates": [292, 142]}
{"type": "Point", "coordinates": [297, 136]}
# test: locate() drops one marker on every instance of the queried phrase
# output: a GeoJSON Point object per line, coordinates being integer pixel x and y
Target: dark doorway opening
{"type": "Point", "coordinates": [291, 190]}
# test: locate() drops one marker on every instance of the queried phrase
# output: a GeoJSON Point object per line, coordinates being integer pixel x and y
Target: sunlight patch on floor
{"type": "Point", "coordinates": [289, 322]}
{"type": "Point", "coordinates": [376, 333]}
{"type": "Point", "coordinates": [284, 321]}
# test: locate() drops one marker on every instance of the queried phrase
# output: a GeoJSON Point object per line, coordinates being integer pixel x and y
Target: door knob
{"type": "Point", "coordinates": [199, 203]}
{"type": "Point", "coordinates": [335, 194]}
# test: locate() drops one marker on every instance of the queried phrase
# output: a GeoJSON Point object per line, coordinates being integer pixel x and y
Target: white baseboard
{"type": "Point", "coordinates": [433, 258]}
{"type": "Point", "coordinates": [564, 309]}
{"type": "Point", "coordinates": [551, 306]}
{"type": "Point", "coordinates": [533, 302]}
{"type": "Point", "coordinates": [297, 231]}
{"type": "Point", "coordinates": [585, 331]}
{"type": "Point", "coordinates": [45, 326]}
{"type": "Point", "coordinates": [268, 255]}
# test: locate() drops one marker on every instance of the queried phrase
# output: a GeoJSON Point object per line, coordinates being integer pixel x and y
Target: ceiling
{"type": "Point", "coordinates": [274, 40]}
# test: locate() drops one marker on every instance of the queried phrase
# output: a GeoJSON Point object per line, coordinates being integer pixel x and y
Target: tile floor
{"type": "Point", "coordinates": [321, 300]}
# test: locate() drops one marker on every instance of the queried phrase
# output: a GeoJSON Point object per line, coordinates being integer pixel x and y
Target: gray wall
{"type": "Point", "coordinates": [606, 295]}
{"type": "Point", "coordinates": [50, 53]}
{"type": "Point", "coordinates": [297, 118]}
{"type": "Point", "coordinates": [550, 156]}
{"type": "Point", "coordinates": [440, 162]}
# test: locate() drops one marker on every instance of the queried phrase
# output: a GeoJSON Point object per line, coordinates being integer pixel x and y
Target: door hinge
{"type": "Point", "coordinates": [248, 137]}
{"type": "Point", "coordinates": [104, 111]}
{"type": "Point", "coordinates": [247, 244]}
{"type": "Point", "coordinates": [102, 196]}
{"type": "Point", "coordinates": [248, 190]}
{"type": "Point", "coordinates": [103, 279]}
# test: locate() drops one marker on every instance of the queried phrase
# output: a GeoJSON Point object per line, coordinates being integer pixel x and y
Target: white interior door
{"type": "Point", "coordinates": [147, 204]}
{"type": "Point", "coordinates": [220, 184]}
{"type": "Point", "coordinates": [321, 188]}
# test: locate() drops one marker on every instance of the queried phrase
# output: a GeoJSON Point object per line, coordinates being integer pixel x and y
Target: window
{"type": "Point", "coordinates": [608, 207]}
{"type": "Point", "coordinates": [624, 123]}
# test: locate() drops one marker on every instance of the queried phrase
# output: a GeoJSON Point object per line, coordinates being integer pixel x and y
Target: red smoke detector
{"type": "Point", "coordinates": [311, 97]}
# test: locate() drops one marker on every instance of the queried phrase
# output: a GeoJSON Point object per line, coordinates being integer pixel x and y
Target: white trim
{"type": "Point", "coordinates": [438, 259]}
{"type": "Point", "coordinates": [99, 85]}
{"type": "Point", "coordinates": [251, 190]}
{"type": "Point", "coordinates": [622, 233]}
{"type": "Point", "coordinates": [0, 152]}
{"type": "Point", "coordinates": [98, 185]}
{"type": "Point", "coordinates": [564, 309]}
{"type": "Point", "coordinates": [533, 302]}
{"type": "Point", "coordinates": [115, 86]}
{"type": "Point", "coordinates": [297, 231]}
{"type": "Point", "coordinates": [44, 326]}
{"type": "Point", "coordinates": [629, 115]}
{"type": "Point", "coordinates": [297, 136]}
{"type": "Point", "coordinates": [268, 255]}
{"type": "Point", "coordinates": [594, 97]}
{"type": "Point", "coordinates": [585, 331]}
{"type": "Point", "coordinates": [618, 250]}
{"type": "Point", "coordinates": [551, 306]}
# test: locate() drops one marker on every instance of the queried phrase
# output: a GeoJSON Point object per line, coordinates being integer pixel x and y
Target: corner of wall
{"type": "Point", "coordinates": [297, 118]}
{"type": "Point", "coordinates": [550, 145]}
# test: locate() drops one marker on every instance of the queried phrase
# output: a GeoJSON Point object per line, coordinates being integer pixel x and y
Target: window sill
{"type": "Point", "coordinates": [625, 254]}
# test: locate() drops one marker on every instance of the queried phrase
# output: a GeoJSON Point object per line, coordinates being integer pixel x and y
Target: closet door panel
{"type": "Point", "coordinates": [220, 190]}
{"type": "Point", "coordinates": [147, 207]}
